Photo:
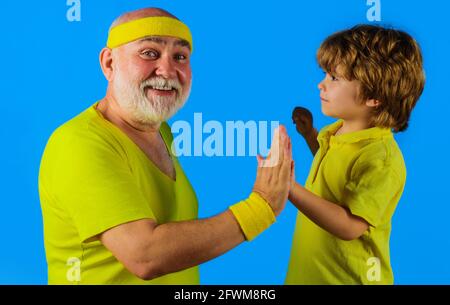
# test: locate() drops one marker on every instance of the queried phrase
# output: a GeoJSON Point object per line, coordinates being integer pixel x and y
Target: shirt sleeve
{"type": "Point", "coordinates": [373, 186]}
{"type": "Point", "coordinates": [93, 181]}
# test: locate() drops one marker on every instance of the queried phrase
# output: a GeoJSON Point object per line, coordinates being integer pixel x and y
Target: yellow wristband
{"type": "Point", "coordinates": [253, 214]}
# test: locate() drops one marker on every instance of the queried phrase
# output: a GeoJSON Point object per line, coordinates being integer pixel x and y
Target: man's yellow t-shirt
{"type": "Point", "coordinates": [93, 177]}
{"type": "Point", "coordinates": [363, 171]}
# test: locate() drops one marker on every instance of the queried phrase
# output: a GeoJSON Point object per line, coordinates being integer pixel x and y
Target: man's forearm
{"type": "Point", "coordinates": [180, 245]}
{"type": "Point", "coordinates": [331, 217]}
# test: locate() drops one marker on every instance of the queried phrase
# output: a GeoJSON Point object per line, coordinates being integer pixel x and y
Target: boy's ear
{"type": "Point", "coordinates": [373, 103]}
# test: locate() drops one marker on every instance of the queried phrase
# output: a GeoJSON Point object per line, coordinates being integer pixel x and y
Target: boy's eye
{"type": "Point", "coordinates": [331, 76]}
{"type": "Point", "coordinates": [150, 54]}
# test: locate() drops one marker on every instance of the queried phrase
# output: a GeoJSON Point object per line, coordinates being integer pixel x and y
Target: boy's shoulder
{"type": "Point", "coordinates": [383, 153]}
{"type": "Point", "coordinates": [371, 147]}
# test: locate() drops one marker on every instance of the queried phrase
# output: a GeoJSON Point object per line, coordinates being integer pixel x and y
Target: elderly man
{"type": "Point", "coordinates": [117, 206]}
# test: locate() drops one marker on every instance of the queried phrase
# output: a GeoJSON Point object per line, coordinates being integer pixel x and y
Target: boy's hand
{"type": "Point", "coordinates": [274, 174]}
{"type": "Point", "coordinates": [303, 120]}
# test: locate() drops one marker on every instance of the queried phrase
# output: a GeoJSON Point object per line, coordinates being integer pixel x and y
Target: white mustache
{"type": "Point", "coordinates": [161, 83]}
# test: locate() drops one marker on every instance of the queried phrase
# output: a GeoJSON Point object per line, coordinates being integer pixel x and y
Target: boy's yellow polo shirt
{"type": "Point", "coordinates": [92, 178]}
{"type": "Point", "coordinates": [365, 172]}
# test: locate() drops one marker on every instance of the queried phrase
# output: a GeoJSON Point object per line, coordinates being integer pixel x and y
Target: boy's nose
{"type": "Point", "coordinates": [321, 86]}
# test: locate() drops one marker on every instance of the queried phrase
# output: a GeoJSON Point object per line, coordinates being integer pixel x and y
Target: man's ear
{"type": "Point", "coordinates": [373, 103]}
{"type": "Point", "coordinates": [106, 60]}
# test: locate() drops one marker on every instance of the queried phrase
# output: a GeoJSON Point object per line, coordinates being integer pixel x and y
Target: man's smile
{"type": "Point", "coordinates": [162, 90]}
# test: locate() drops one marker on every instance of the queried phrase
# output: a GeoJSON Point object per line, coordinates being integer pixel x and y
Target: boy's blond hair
{"type": "Point", "coordinates": [386, 62]}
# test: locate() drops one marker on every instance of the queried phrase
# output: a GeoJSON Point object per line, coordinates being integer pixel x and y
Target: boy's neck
{"type": "Point", "coordinates": [352, 126]}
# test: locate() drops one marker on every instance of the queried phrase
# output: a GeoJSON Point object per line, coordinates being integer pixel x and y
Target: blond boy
{"type": "Point", "coordinates": [374, 77]}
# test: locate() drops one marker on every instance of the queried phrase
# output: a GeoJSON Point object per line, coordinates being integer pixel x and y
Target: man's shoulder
{"type": "Point", "coordinates": [84, 126]}
{"type": "Point", "coordinates": [81, 140]}
{"type": "Point", "coordinates": [82, 136]}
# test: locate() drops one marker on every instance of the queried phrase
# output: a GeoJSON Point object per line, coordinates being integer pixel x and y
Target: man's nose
{"type": "Point", "coordinates": [166, 68]}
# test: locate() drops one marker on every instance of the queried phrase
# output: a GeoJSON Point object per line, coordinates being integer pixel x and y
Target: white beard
{"type": "Point", "coordinates": [147, 111]}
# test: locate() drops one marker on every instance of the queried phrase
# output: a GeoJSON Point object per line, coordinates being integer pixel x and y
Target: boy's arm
{"type": "Point", "coordinates": [303, 121]}
{"type": "Point", "coordinates": [331, 217]}
{"type": "Point", "coordinates": [311, 140]}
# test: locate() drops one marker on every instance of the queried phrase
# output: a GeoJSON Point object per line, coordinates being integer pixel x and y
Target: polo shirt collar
{"type": "Point", "coordinates": [327, 134]}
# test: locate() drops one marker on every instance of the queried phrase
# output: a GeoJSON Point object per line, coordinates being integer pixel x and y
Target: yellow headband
{"type": "Point", "coordinates": [149, 26]}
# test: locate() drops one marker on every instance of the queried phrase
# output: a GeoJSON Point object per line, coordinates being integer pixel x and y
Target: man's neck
{"type": "Point", "coordinates": [113, 113]}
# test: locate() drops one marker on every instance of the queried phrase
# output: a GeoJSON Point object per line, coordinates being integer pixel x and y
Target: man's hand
{"type": "Point", "coordinates": [274, 174]}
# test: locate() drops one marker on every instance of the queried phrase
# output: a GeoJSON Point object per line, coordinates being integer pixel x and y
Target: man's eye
{"type": "Point", "coordinates": [180, 57]}
{"type": "Point", "coordinates": [150, 53]}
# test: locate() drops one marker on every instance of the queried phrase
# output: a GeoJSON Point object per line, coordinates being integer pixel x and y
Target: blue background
{"type": "Point", "coordinates": [253, 60]}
